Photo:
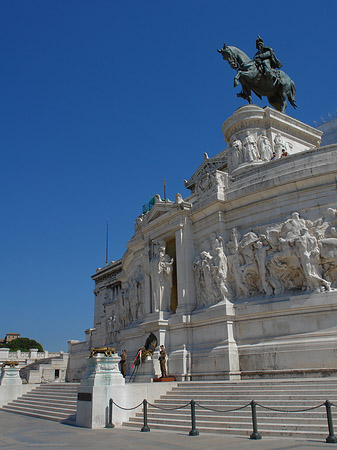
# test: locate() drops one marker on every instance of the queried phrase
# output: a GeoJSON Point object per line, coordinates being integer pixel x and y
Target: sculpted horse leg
{"type": "Point", "coordinates": [246, 93]}
{"type": "Point", "coordinates": [284, 101]}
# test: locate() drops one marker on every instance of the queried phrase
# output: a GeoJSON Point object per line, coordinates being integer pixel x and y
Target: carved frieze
{"type": "Point", "coordinates": [297, 254]}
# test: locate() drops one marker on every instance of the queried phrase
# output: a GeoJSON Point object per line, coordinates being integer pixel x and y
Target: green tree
{"type": "Point", "coordinates": [23, 344]}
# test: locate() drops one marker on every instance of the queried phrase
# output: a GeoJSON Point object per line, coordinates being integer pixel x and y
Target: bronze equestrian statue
{"type": "Point", "coordinates": [261, 75]}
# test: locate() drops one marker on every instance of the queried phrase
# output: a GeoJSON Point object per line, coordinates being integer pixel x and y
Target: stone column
{"type": "Point", "coordinates": [185, 278]}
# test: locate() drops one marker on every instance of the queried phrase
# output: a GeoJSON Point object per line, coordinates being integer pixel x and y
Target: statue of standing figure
{"type": "Point", "coordinates": [235, 156]}
{"type": "Point", "coordinates": [250, 146]}
{"type": "Point", "coordinates": [161, 275]}
{"type": "Point", "coordinates": [279, 145]}
{"type": "Point", "coordinates": [265, 148]}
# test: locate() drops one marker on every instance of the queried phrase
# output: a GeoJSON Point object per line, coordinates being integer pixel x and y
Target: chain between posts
{"type": "Point", "coordinates": [255, 435]}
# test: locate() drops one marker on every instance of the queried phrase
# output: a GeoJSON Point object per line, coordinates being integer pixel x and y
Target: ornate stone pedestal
{"type": "Point", "coordinates": [10, 383]}
{"type": "Point", "coordinates": [10, 376]}
{"type": "Point", "coordinates": [98, 385]}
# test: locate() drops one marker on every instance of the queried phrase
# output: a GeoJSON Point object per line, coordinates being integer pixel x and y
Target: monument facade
{"type": "Point", "coordinates": [239, 278]}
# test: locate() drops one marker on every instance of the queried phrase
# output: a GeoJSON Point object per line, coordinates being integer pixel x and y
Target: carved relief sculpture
{"type": "Point", "coordinates": [235, 155]}
{"type": "Point", "coordinates": [250, 148]}
{"type": "Point", "coordinates": [211, 269]}
{"type": "Point", "coordinates": [279, 145]}
{"type": "Point", "coordinates": [285, 257]}
{"type": "Point", "coordinates": [265, 148]}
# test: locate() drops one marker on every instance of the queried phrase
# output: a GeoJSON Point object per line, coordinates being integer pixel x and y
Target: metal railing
{"type": "Point", "coordinates": [253, 404]}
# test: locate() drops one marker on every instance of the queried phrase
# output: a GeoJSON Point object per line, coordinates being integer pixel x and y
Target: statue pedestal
{"type": "Point", "coordinates": [10, 376]}
{"type": "Point", "coordinates": [145, 373]}
{"type": "Point", "coordinates": [101, 382]}
{"type": "Point", "coordinates": [10, 384]}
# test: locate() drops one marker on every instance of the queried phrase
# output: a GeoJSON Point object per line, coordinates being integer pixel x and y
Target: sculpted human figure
{"type": "Point", "coordinates": [122, 309]}
{"type": "Point", "coordinates": [235, 154]}
{"type": "Point", "coordinates": [330, 220]}
{"type": "Point", "coordinates": [220, 265]}
{"type": "Point", "coordinates": [132, 296]}
{"type": "Point", "coordinates": [291, 228]}
{"type": "Point", "coordinates": [165, 272]}
{"type": "Point", "coordinates": [328, 254]}
{"type": "Point", "coordinates": [216, 242]}
{"type": "Point", "coordinates": [250, 148]}
{"type": "Point", "coordinates": [285, 267]}
{"type": "Point", "coordinates": [260, 75]}
{"type": "Point", "coordinates": [308, 251]}
{"type": "Point", "coordinates": [279, 145]}
{"type": "Point", "coordinates": [266, 60]}
{"type": "Point", "coordinates": [154, 264]}
{"type": "Point", "coordinates": [265, 148]}
{"type": "Point", "coordinates": [200, 281]}
{"type": "Point", "coordinates": [261, 247]}
{"type": "Point", "coordinates": [249, 267]}
{"type": "Point", "coordinates": [211, 295]}
{"type": "Point", "coordinates": [234, 265]}
{"type": "Point", "coordinates": [138, 279]}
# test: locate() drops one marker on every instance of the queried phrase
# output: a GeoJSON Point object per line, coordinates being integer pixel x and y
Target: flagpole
{"type": "Point", "coordinates": [107, 242]}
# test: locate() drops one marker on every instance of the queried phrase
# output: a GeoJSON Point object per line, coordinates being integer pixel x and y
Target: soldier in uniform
{"type": "Point", "coordinates": [123, 363]}
{"type": "Point", "coordinates": [162, 360]}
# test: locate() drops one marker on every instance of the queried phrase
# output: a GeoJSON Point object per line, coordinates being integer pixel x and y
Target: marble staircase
{"type": "Point", "coordinates": [284, 395]}
{"type": "Point", "coordinates": [51, 401]}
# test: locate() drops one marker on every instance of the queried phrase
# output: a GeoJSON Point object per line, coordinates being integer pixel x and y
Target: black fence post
{"type": "Point", "coordinates": [194, 431]}
{"type": "Point", "coordinates": [110, 424]}
{"type": "Point", "coordinates": [145, 427]}
{"type": "Point", "coordinates": [255, 434]}
{"type": "Point", "coordinates": [331, 439]}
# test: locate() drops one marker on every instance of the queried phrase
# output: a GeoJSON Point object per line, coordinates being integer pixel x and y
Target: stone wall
{"type": "Point", "coordinates": [254, 268]}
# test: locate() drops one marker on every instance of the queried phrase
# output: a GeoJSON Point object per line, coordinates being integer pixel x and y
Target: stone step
{"type": "Point", "coordinates": [235, 431]}
{"type": "Point", "coordinates": [59, 397]}
{"type": "Point", "coordinates": [60, 415]}
{"type": "Point", "coordinates": [272, 383]}
{"type": "Point", "coordinates": [55, 392]}
{"type": "Point", "coordinates": [46, 388]}
{"type": "Point", "coordinates": [56, 402]}
{"type": "Point", "coordinates": [71, 409]}
{"type": "Point", "coordinates": [320, 428]}
{"type": "Point", "coordinates": [203, 417]}
{"type": "Point", "coordinates": [214, 389]}
{"type": "Point", "coordinates": [68, 419]}
{"type": "Point", "coordinates": [38, 401]}
{"type": "Point", "coordinates": [320, 398]}
{"type": "Point", "coordinates": [235, 403]}
{"type": "Point", "coordinates": [287, 396]}
{"type": "Point", "coordinates": [316, 414]}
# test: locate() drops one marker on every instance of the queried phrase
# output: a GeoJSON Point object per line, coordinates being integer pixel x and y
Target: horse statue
{"type": "Point", "coordinates": [254, 76]}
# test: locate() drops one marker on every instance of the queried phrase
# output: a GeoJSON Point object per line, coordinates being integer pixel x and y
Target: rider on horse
{"type": "Point", "coordinates": [266, 60]}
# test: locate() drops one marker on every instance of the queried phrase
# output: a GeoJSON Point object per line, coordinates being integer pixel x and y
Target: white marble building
{"type": "Point", "coordinates": [238, 279]}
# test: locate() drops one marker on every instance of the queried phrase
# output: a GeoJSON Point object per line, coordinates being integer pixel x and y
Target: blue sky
{"type": "Point", "coordinates": [100, 102]}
